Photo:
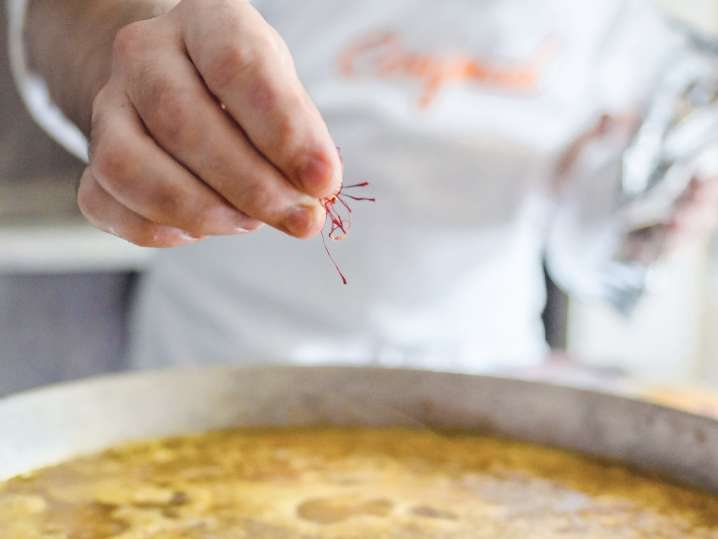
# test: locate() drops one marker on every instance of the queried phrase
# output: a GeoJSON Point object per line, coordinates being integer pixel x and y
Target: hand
{"type": "Point", "coordinates": [205, 129]}
{"type": "Point", "coordinates": [696, 215]}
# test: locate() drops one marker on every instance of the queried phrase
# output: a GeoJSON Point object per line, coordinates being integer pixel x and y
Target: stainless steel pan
{"type": "Point", "coordinates": [46, 426]}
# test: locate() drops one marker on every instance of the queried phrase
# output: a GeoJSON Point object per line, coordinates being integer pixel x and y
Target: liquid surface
{"type": "Point", "coordinates": [346, 484]}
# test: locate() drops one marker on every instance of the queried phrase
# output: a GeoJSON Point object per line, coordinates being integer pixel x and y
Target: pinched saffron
{"type": "Point", "coordinates": [339, 218]}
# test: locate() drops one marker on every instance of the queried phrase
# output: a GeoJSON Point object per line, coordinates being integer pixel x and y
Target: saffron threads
{"type": "Point", "coordinates": [339, 218]}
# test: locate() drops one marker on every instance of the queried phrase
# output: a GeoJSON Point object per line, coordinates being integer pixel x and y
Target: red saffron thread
{"type": "Point", "coordinates": [339, 225]}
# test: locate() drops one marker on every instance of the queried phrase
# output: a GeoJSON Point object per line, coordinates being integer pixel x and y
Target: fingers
{"type": "Point", "coordinates": [247, 66]}
{"type": "Point", "coordinates": [132, 169]}
{"type": "Point", "coordinates": [696, 216]}
{"type": "Point", "coordinates": [103, 211]}
{"type": "Point", "coordinates": [188, 124]}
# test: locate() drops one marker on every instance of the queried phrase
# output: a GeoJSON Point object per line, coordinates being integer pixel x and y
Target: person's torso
{"type": "Point", "coordinates": [456, 113]}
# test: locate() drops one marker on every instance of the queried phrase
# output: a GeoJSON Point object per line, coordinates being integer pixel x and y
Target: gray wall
{"type": "Point", "coordinates": [60, 327]}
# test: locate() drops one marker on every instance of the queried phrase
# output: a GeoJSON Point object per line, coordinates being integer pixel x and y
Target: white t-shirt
{"type": "Point", "coordinates": [457, 113]}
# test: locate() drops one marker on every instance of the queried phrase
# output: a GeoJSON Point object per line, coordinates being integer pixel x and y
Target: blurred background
{"type": "Point", "coordinates": [65, 289]}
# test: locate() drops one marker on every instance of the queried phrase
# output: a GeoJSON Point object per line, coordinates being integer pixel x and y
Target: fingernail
{"type": "Point", "coordinates": [301, 220]}
{"type": "Point", "coordinates": [186, 237]}
{"type": "Point", "coordinates": [315, 173]}
{"type": "Point", "coordinates": [225, 220]}
{"type": "Point", "coordinates": [173, 235]}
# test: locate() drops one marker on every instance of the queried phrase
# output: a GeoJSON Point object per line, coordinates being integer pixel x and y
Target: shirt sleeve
{"type": "Point", "coordinates": [33, 89]}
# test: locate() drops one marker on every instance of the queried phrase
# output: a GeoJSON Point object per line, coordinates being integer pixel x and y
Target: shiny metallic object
{"type": "Point", "coordinates": [613, 221]}
{"type": "Point", "coordinates": [680, 128]}
{"type": "Point", "coordinates": [50, 425]}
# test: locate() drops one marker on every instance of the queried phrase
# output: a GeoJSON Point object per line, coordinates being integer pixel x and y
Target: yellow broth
{"type": "Point", "coordinates": [346, 484]}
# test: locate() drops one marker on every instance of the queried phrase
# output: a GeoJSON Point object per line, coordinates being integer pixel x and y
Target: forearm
{"type": "Point", "coordinates": [69, 43]}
